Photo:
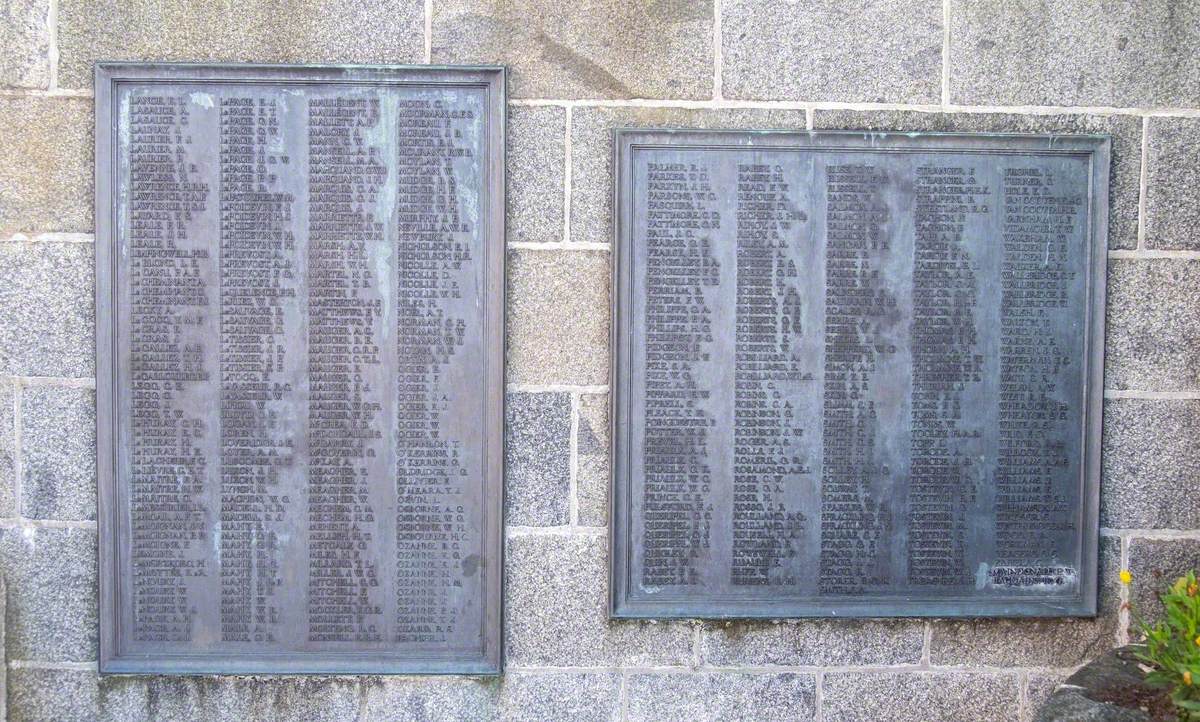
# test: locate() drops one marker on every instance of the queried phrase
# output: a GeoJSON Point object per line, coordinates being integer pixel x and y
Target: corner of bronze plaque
{"type": "Point", "coordinates": [766, 560]}
{"type": "Point", "coordinates": [267, 424]}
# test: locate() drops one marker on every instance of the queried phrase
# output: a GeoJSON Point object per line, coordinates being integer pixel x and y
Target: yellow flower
{"type": "Point", "coordinates": [1191, 590]}
{"type": "Point", "coordinates": [1126, 577]}
{"type": "Point", "coordinates": [1198, 641]}
{"type": "Point", "coordinates": [1187, 677]}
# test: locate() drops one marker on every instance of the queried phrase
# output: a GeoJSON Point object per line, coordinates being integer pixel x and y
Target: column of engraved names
{"type": "Point", "coordinates": [854, 524]}
{"type": "Point", "coordinates": [257, 277]}
{"type": "Point", "coordinates": [434, 252]}
{"type": "Point", "coordinates": [768, 309]}
{"type": "Point", "coordinates": [946, 361]}
{"type": "Point", "coordinates": [1039, 223]}
{"type": "Point", "coordinates": [676, 510]}
{"type": "Point", "coordinates": [169, 300]}
{"type": "Point", "coordinates": [344, 317]}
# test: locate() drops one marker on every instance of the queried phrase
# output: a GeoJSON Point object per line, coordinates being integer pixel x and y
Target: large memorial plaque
{"type": "Point", "coordinates": [300, 291]}
{"type": "Point", "coordinates": [857, 374]}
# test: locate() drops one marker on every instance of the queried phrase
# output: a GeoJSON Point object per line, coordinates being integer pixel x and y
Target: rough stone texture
{"type": "Point", "coordinates": [58, 453]}
{"type": "Point", "coordinates": [81, 695]}
{"type": "Point", "coordinates": [537, 455]}
{"type": "Point", "coordinates": [1075, 52]}
{"type": "Point", "coordinates": [282, 699]}
{"type": "Point", "coordinates": [46, 308]}
{"type": "Point", "coordinates": [854, 51]}
{"type": "Point", "coordinates": [3, 652]}
{"type": "Point", "coordinates": [301, 31]}
{"type": "Point", "coordinates": [719, 696]}
{"type": "Point", "coordinates": [592, 150]}
{"type": "Point", "coordinates": [25, 43]}
{"type": "Point", "coordinates": [54, 694]}
{"type": "Point", "coordinates": [593, 469]}
{"type": "Point", "coordinates": [812, 643]}
{"type": "Point", "coordinates": [1071, 705]}
{"type": "Point", "coordinates": [556, 608]}
{"type": "Point", "coordinates": [585, 49]}
{"type": "Point", "coordinates": [1038, 689]}
{"type": "Point", "coordinates": [1126, 132]}
{"type": "Point", "coordinates": [1110, 688]}
{"type": "Point", "coordinates": [447, 699]}
{"type": "Point", "coordinates": [1151, 462]}
{"type": "Point", "coordinates": [8, 449]}
{"type": "Point", "coordinates": [1155, 564]}
{"type": "Point", "coordinates": [46, 172]}
{"type": "Point", "coordinates": [1173, 184]}
{"type": "Point", "coordinates": [1034, 642]}
{"type": "Point", "coordinates": [1153, 328]}
{"type": "Point", "coordinates": [558, 315]}
{"type": "Point", "coordinates": [920, 697]}
{"type": "Point", "coordinates": [51, 576]}
{"type": "Point", "coordinates": [536, 162]}
{"type": "Point", "coordinates": [555, 696]}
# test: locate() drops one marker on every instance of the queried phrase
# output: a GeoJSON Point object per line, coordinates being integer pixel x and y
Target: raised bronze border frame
{"type": "Point", "coordinates": [493, 80]}
{"type": "Point", "coordinates": [625, 142]}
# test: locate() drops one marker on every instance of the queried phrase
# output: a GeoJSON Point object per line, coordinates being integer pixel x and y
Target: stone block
{"type": "Point", "coordinates": [920, 697]}
{"type": "Point", "coordinates": [1151, 461]}
{"type": "Point", "coordinates": [3, 650]}
{"type": "Point", "coordinates": [593, 468]}
{"type": "Point", "coordinates": [812, 643]}
{"type": "Point", "coordinates": [51, 577]}
{"type": "Point", "coordinates": [8, 448]}
{"type": "Point", "coordinates": [537, 473]}
{"type": "Point", "coordinates": [586, 49]}
{"type": "Point", "coordinates": [536, 164]}
{"type": "Point", "coordinates": [1153, 329]}
{"type": "Point", "coordinates": [54, 694]}
{"type": "Point", "coordinates": [556, 604]}
{"type": "Point", "coordinates": [558, 315]}
{"type": "Point", "coordinates": [554, 696]}
{"type": "Point", "coordinates": [444, 699]}
{"type": "Point", "coordinates": [1126, 132]}
{"type": "Point", "coordinates": [25, 43]}
{"type": "Point", "coordinates": [1064, 642]}
{"type": "Point", "coordinates": [863, 51]}
{"type": "Point", "coordinates": [688, 697]}
{"type": "Point", "coordinates": [232, 699]}
{"type": "Point", "coordinates": [1075, 52]}
{"type": "Point", "coordinates": [1038, 689]}
{"type": "Point", "coordinates": [47, 309]}
{"type": "Point", "coordinates": [592, 151]}
{"type": "Point", "coordinates": [1173, 184]}
{"type": "Point", "coordinates": [1155, 565]}
{"type": "Point", "coordinates": [299, 31]}
{"type": "Point", "coordinates": [58, 453]}
{"type": "Point", "coordinates": [80, 695]}
{"type": "Point", "coordinates": [46, 171]}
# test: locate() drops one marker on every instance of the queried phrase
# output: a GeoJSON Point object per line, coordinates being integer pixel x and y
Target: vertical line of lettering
{"type": "Point", "coordinates": [169, 303]}
{"type": "Point", "coordinates": [681, 217]}
{"type": "Point", "coordinates": [257, 447]}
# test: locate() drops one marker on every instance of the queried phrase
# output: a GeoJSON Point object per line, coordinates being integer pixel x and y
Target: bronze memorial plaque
{"type": "Point", "coordinates": [857, 374]}
{"type": "Point", "coordinates": [300, 304]}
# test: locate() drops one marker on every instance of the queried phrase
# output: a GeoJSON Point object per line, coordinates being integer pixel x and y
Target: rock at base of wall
{"type": "Point", "coordinates": [1111, 688]}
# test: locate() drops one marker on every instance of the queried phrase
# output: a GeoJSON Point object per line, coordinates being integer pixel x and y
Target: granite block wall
{"type": "Point", "coordinates": [579, 69]}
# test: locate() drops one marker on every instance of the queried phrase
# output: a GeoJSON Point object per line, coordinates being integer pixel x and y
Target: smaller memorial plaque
{"type": "Point", "coordinates": [300, 334]}
{"type": "Point", "coordinates": [857, 374]}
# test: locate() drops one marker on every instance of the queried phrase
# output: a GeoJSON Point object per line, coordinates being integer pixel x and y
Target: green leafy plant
{"type": "Point", "coordinates": [1172, 645]}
